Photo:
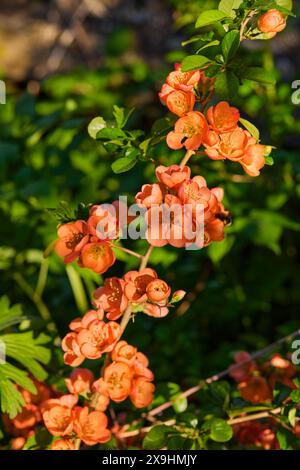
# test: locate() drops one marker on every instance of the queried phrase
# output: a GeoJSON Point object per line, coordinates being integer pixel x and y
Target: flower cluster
{"type": "Point", "coordinates": [193, 209]}
{"type": "Point", "coordinates": [127, 376]}
{"type": "Point", "coordinates": [256, 383]}
{"type": "Point", "coordinates": [143, 290]}
{"type": "Point", "coordinates": [90, 337]}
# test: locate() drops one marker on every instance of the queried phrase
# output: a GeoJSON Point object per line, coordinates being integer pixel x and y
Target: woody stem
{"type": "Point", "coordinates": [126, 250]}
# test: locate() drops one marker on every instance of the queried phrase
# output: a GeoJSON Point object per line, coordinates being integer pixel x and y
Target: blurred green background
{"type": "Point", "coordinates": [243, 292]}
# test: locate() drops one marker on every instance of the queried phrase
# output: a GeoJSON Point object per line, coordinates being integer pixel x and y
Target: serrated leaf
{"type": "Point", "coordinates": [209, 17]}
{"type": "Point", "coordinates": [194, 62]}
{"type": "Point", "coordinates": [250, 128]}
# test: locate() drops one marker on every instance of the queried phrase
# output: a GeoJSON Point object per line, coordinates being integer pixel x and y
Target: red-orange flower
{"type": "Point", "coordinates": [98, 257]}
{"type": "Point", "coordinates": [98, 338]}
{"type": "Point", "coordinates": [57, 415]}
{"type": "Point", "coordinates": [222, 117]}
{"type": "Point", "coordinates": [141, 393]}
{"type": "Point", "coordinates": [72, 238]}
{"type": "Point", "coordinates": [124, 352]}
{"type": "Point", "coordinates": [189, 132]}
{"type": "Point", "coordinates": [136, 283]}
{"type": "Point", "coordinates": [91, 427]}
{"type": "Point", "coordinates": [73, 356]}
{"type": "Point", "coordinates": [149, 195]}
{"type": "Point", "coordinates": [271, 22]}
{"type": "Point", "coordinates": [158, 291]}
{"type": "Point", "coordinates": [111, 297]}
{"type": "Point", "coordinates": [63, 444]}
{"type": "Point", "coordinates": [242, 372]}
{"type": "Point", "coordinates": [80, 381]}
{"type": "Point", "coordinates": [255, 390]}
{"type": "Point", "coordinates": [172, 176]}
{"type": "Point", "coordinates": [178, 102]}
{"type": "Point", "coordinates": [184, 81]}
{"type": "Point", "coordinates": [102, 222]}
{"type": "Point", "coordinates": [116, 382]}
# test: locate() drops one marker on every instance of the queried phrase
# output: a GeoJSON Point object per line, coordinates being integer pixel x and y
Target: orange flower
{"type": "Point", "coordinates": [80, 381]}
{"type": "Point", "coordinates": [100, 402]}
{"type": "Point", "coordinates": [140, 367]}
{"type": "Point", "coordinates": [222, 117]}
{"type": "Point", "coordinates": [184, 81]}
{"type": "Point", "coordinates": [124, 352]}
{"type": "Point", "coordinates": [172, 176]}
{"type": "Point", "coordinates": [57, 415]}
{"type": "Point", "coordinates": [178, 102]}
{"type": "Point", "coordinates": [156, 311]}
{"type": "Point", "coordinates": [73, 236]}
{"type": "Point", "coordinates": [136, 283]}
{"type": "Point", "coordinates": [271, 22]}
{"type": "Point", "coordinates": [73, 356]}
{"type": "Point", "coordinates": [27, 418]}
{"type": "Point", "coordinates": [91, 427]}
{"type": "Point", "coordinates": [149, 195]}
{"type": "Point", "coordinates": [98, 257]}
{"type": "Point", "coordinates": [158, 291]}
{"type": "Point", "coordinates": [63, 444]}
{"type": "Point", "coordinates": [116, 382]}
{"type": "Point", "coordinates": [111, 297]}
{"type": "Point", "coordinates": [255, 390]}
{"type": "Point", "coordinates": [141, 393]}
{"type": "Point", "coordinates": [239, 146]}
{"type": "Point", "coordinates": [189, 132]}
{"type": "Point", "coordinates": [98, 338]}
{"type": "Point", "coordinates": [103, 222]}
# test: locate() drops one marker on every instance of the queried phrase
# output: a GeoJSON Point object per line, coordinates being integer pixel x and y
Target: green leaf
{"type": "Point", "coordinates": [194, 62]}
{"type": "Point", "coordinates": [9, 316]}
{"type": "Point", "coordinates": [123, 164]}
{"type": "Point", "coordinates": [292, 416]}
{"type": "Point", "coordinates": [228, 6]}
{"type": "Point", "coordinates": [288, 4]}
{"type": "Point", "coordinates": [220, 430]}
{"type": "Point", "coordinates": [121, 115]}
{"type": "Point", "coordinates": [179, 403]}
{"type": "Point", "coordinates": [110, 133]}
{"type": "Point", "coordinates": [230, 44]}
{"type": "Point", "coordinates": [209, 17]}
{"type": "Point", "coordinates": [156, 437]}
{"type": "Point", "coordinates": [269, 160]}
{"type": "Point", "coordinates": [95, 126]}
{"type": "Point", "coordinates": [250, 128]}
{"type": "Point", "coordinates": [227, 85]}
{"type": "Point", "coordinates": [295, 396]}
{"type": "Point", "coordinates": [258, 74]}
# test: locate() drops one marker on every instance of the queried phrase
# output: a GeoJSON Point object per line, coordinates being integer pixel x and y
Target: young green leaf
{"type": "Point", "coordinates": [230, 44]}
{"type": "Point", "coordinates": [258, 74]}
{"type": "Point", "coordinates": [228, 6]}
{"type": "Point", "coordinates": [156, 437]}
{"type": "Point", "coordinates": [194, 62]}
{"type": "Point", "coordinates": [209, 17]}
{"type": "Point", "coordinates": [123, 164]}
{"type": "Point", "coordinates": [95, 126]}
{"type": "Point", "coordinates": [110, 133]}
{"type": "Point", "coordinates": [220, 430]}
{"type": "Point", "coordinates": [250, 128]}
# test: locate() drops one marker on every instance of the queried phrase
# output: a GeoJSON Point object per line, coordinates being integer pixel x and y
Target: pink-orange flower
{"type": "Point", "coordinates": [158, 291]}
{"type": "Point", "coordinates": [73, 356]}
{"type": "Point", "coordinates": [63, 444]}
{"type": "Point", "coordinates": [98, 257]}
{"type": "Point", "coordinates": [72, 237]}
{"type": "Point", "coordinates": [140, 367]}
{"type": "Point", "coordinates": [80, 381]}
{"type": "Point", "coordinates": [111, 297]}
{"type": "Point", "coordinates": [91, 427]}
{"type": "Point", "coordinates": [184, 81]}
{"type": "Point", "coordinates": [271, 22]}
{"type": "Point", "coordinates": [177, 101]}
{"type": "Point", "coordinates": [98, 338]}
{"type": "Point", "coordinates": [116, 382]}
{"type": "Point", "coordinates": [136, 283]}
{"type": "Point", "coordinates": [149, 195]}
{"type": "Point", "coordinates": [141, 393]}
{"type": "Point", "coordinates": [189, 132]}
{"type": "Point", "coordinates": [172, 176]}
{"type": "Point", "coordinates": [57, 415]}
{"type": "Point", "coordinates": [124, 352]}
{"type": "Point", "coordinates": [222, 117]}
{"type": "Point", "coordinates": [102, 222]}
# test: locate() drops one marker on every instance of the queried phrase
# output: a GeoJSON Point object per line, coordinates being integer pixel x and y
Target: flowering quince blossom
{"type": "Point", "coordinates": [91, 427]}
{"type": "Point", "coordinates": [222, 117]}
{"type": "Point", "coordinates": [127, 376]}
{"type": "Point", "coordinates": [98, 256]}
{"type": "Point", "coordinates": [189, 132]}
{"type": "Point", "coordinates": [58, 415]}
{"type": "Point", "coordinates": [71, 239]}
{"type": "Point", "coordinates": [271, 22]}
{"type": "Point", "coordinates": [63, 444]}
{"type": "Point", "coordinates": [90, 338]}
{"type": "Point", "coordinates": [80, 381]}
{"type": "Point", "coordinates": [111, 298]}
